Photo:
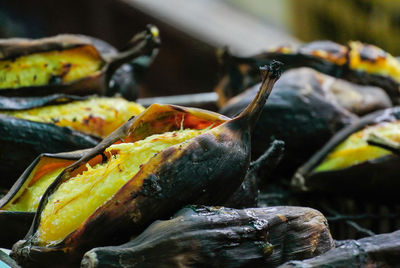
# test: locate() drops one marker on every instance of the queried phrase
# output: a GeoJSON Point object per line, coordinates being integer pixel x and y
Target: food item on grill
{"type": "Point", "coordinates": [297, 114]}
{"type": "Point", "coordinates": [165, 158]}
{"type": "Point", "coordinates": [23, 140]}
{"type": "Point", "coordinates": [246, 196]}
{"type": "Point", "coordinates": [64, 64]}
{"type": "Point", "coordinates": [199, 236]}
{"type": "Point", "coordinates": [127, 79]}
{"type": "Point", "coordinates": [357, 62]}
{"type": "Point", "coordinates": [35, 125]}
{"type": "Point", "coordinates": [19, 205]}
{"type": "Point", "coordinates": [357, 99]}
{"type": "Point", "coordinates": [96, 116]}
{"type": "Point", "coordinates": [348, 164]}
{"type": "Point", "coordinates": [374, 251]}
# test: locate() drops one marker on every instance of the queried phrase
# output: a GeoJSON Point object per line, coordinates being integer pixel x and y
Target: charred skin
{"type": "Point", "coordinates": [200, 236]}
{"type": "Point", "coordinates": [357, 62]}
{"type": "Point", "coordinates": [96, 116]}
{"type": "Point", "coordinates": [193, 171]}
{"type": "Point", "coordinates": [374, 251]}
{"type": "Point", "coordinates": [132, 210]}
{"type": "Point", "coordinates": [246, 196]}
{"type": "Point", "coordinates": [56, 123]}
{"type": "Point", "coordinates": [26, 103]}
{"type": "Point", "coordinates": [374, 177]}
{"type": "Point", "coordinates": [136, 208]}
{"type": "Point", "coordinates": [159, 197]}
{"type": "Point", "coordinates": [127, 79]}
{"type": "Point", "coordinates": [297, 114]}
{"type": "Point", "coordinates": [22, 141]}
{"type": "Point", "coordinates": [55, 65]}
{"type": "Point", "coordinates": [14, 221]}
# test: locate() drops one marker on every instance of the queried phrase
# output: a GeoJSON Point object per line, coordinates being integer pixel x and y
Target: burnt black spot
{"type": "Point", "coordinates": [103, 158]}
{"type": "Point", "coordinates": [55, 120]}
{"type": "Point", "coordinates": [151, 187]}
{"type": "Point", "coordinates": [55, 80]}
{"type": "Point", "coordinates": [34, 77]}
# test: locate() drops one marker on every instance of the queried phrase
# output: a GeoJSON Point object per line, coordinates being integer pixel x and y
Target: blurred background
{"type": "Point", "coordinates": [191, 30]}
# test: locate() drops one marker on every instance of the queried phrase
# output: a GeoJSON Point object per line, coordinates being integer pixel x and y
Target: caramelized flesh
{"type": "Point", "coordinates": [95, 116]}
{"type": "Point", "coordinates": [355, 149]}
{"type": "Point", "coordinates": [383, 63]}
{"type": "Point", "coordinates": [53, 67]}
{"type": "Point", "coordinates": [76, 199]}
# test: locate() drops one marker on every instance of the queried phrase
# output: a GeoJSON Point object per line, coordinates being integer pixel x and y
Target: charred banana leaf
{"type": "Point", "coordinates": [96, 116]}
{"type": "Point", "coordinates": [22, 141]}
{"type": "Point", "coordinates": [65, 64]}
{"type": "Point", "coordinates": [157, 162]}
{"type": "Point", "coordinates": [360, 63]}
{"type": "Point", "coordinates": [297, 114]}
{"type": "Point", "coordinates": [375, 251]}
{"type": "Point", "coordinates": [246, 196]}
{"type": "Point", "coordinates": [200, 236]}
{"type": "Point", "coordinates": [348, 164]}
{"type": "Point", "coordinates": [18, 206]}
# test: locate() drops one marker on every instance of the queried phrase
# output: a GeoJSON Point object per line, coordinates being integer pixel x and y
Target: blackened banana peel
{"type": "Point", "coordinates": [199, 236]}
{"type": "Point", "coordinates": [347, 164]}
{"type": "Point", "coordinates": [205, 169]}
{"type": "Point", "coordinates": [91, 115]}
{"type": "Point", "coordinates": [18, 206]}
{"type": "Point", "coordinates": [69, 64]}
{"type": "Point", "coordinates": [55, 123]}
{"type": "Point", "coordinates": [361, 63]}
